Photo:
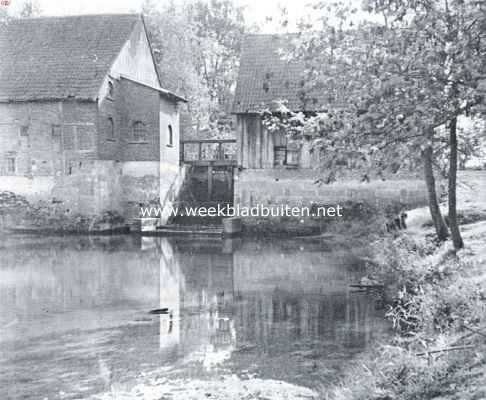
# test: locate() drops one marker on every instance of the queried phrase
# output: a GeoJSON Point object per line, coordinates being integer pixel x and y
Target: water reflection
{"type": "Point", "coordinates": [74, 314]}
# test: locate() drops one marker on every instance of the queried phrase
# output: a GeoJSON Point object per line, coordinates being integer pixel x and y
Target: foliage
{"type": "Point", "coordinates": [197, 46]}
{"type": "Point", "coordinates": [391, 85]}
{"type": "Point", "coordinates": [219, 27]}
{"type": "Point", "coordinates": [30, 8]}
{"type": "Point", "coordinates": [172, 43]}
{"type": "Point", "coordinates": [431, 290]}
{"type": "Point", "coordinates": [387, 84]}
{"type": "Point", "coordinates": [433, 300]}
{"type": "Point", "coordinates": [400, 374]}
{"type": "Point", "coordinates": [472, 142]}
{"type": "Point", "coordinates": [25, 9]}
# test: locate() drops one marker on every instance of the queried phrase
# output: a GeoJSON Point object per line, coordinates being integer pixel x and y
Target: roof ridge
{"type": "Point", "coordinates": [61, 56]}
{"type": "Point", "coordinates": [265, 77]}
{"type": "Point", "coordinates": [77, 16]}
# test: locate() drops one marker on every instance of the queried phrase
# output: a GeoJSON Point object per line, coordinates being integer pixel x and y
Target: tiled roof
{"type": "Point", "coordinates": [60, 57]}
{"type": "Point", "coordinates": [266, 77]}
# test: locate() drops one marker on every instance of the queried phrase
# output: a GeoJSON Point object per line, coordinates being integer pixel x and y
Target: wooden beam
{"type": "Point", "coordinates": [210, 181]}
{"type": "Point", "coordinates": [238, 139]}
{"type": "Point", "coordinates": [209, 141]}
{"type": "Point", "coordinates": [220, 151]}
{"type": "Point", "coordinates": [258, 143]}
{"type": "Point", "coordinates": [244, 142]}
{"type": "Point", "coordinates": [215, 163]}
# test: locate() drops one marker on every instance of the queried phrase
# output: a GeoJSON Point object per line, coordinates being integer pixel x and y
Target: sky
{"type": "Point", "coordinates": [257, 11]}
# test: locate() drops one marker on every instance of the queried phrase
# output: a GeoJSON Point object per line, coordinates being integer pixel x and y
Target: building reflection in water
{"type": "Point", "coordinates": [69, 274]}
{"type": "Point", "coordinates": [196, 288]}
{"type": "Point", "coordinates": [276, 308]}
{"type": "Point", "coordinates": [265, 297]}
{"type": "Point", "coordinates": [169, 297]}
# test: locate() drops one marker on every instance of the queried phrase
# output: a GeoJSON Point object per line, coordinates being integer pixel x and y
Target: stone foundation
{"type": "Point", "coordinates": [299, 188]}
{"type": "Point", "coordinates": [99, 186]}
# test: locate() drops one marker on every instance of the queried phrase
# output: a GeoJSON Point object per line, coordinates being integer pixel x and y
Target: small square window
{"type": "Point", "coordinates": [280, 155]}
{"type": "Point", "coordinates": [56, 131]}
{"type": "Point", "coordinates": [24, 131]}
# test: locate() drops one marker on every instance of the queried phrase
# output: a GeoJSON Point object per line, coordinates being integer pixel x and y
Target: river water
{"type": "Point", "coordinates": [90, 317]}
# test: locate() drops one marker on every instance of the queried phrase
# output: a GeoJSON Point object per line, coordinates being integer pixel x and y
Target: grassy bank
{"type": "Point", "coordinates": [19, 215]}
{"type": "Point", "coordinates": [357, 219]}
{"type": "Point", "coordinates": [437, 304]}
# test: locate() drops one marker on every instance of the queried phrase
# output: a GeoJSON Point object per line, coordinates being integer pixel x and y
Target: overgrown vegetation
{"type": "Point", "coordinates": [17, 213]}
{"type": "Point", "coordinates": [393, 87]}
{"type": "Point", "coordinates": [360, 219]}
{"type": "Point", "coordinates": [439, 314]}
{"type": "Point", "coordinates": [197, 47]}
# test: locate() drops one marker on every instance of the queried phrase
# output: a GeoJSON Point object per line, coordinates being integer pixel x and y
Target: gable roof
{"type": "Point", "coordinates": [51, 58]}
{"type": "Point", "coordinates": [163, 92]}
{"type": "Point", "coordinates": [265, 77]}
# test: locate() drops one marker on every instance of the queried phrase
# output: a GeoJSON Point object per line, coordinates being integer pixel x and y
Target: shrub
{"type": "Point", "coordinates": [429, 286]}
{"type": "Point", "coordinates": [396, 373]}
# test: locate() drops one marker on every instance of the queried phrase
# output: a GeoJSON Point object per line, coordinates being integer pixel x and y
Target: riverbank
{"type": "Point", "coordinates": [437, 304]}
{"type": "Point", "coordinates": [358, 218]}
{"type": "Point", "coordinates": [443, 302]}
{"type": "Point", "coordinates": [18, 215]}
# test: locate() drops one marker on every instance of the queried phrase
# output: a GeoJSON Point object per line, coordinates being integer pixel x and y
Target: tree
{"type": "Point", "coordinates": [455, 43]}
{"type": "Point", "coordinates": [197, 45]}
{"type": "Point", "coordinates": [219, 28]}
{"type": "Point", "coordinates": [173, 44]}
{"type": "Point", "coordinates": [30, 8]}
{"type": "Point", "coordinates": [391, 85]}
{"type": "Point", "coordinates": [371, 115]}
{"type": "Point", "coordinates": [471, 137]}
{"type": "Point", "coordinates": [26, 9]}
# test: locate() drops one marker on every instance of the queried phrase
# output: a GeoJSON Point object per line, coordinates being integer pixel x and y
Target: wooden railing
{"type": "Point", "coordinates": [209, 151]}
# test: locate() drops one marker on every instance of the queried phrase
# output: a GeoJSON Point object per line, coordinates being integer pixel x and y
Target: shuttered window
{"type": "Point", "coordinates": [279, 149]}
{"type": "Point", "coordinates": [69, 138]}
{"type": "Point", "coordinates": [85, 136]}
{"type": "Point", "coordinates": [11, 165]}
{"type": "Point", "coordinates": [56, 131]}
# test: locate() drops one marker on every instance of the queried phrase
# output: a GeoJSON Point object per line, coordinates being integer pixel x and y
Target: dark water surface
{"type": "Point", "coordinates": [74, 312]}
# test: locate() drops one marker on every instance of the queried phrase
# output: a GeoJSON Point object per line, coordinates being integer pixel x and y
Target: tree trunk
{"type": "Point", "coordinates": [439, 223]}
{"type": "Point", "coordinates": [455, 232]}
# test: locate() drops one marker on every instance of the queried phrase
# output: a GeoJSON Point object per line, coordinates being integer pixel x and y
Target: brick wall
{"type": "Point", "coordinates": [150, 169]}
{"type": "Point", "coordinates": [55, 148]}
{"type": "Point", "coordinates": [133, 109]}
{"type": "Point", "coordinates": [45, 136]}
{"type": "Point", "coordinates": [109, 124]}
{"type": "Point", "coordinates": [69, 151]}
{"type": "Point", "coordinates": [297, 187]}
{"type": "Point", "coordinates": [92, 189]}
{"type": "Point", "coordinates": [40, 134]}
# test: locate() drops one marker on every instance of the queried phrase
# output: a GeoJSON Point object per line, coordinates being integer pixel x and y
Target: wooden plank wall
{"type": "Point", "coordinates": [255, 143]}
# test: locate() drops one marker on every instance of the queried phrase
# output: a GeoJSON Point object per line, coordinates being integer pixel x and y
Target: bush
{"type": "Point", "coordinates": [396, 373]}
{"type": "Point", "coordinates": [429, 286]}
{"type": "Point", "coordinates": [432, 302]}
